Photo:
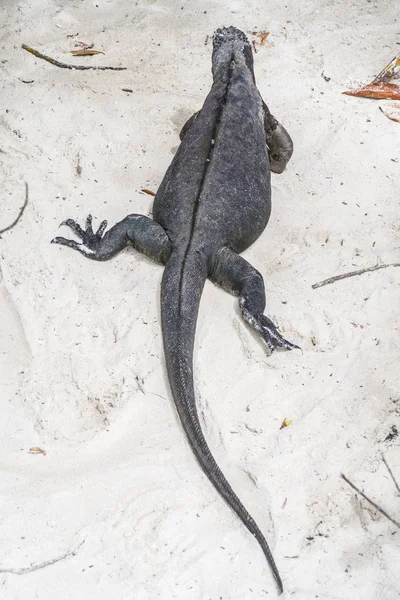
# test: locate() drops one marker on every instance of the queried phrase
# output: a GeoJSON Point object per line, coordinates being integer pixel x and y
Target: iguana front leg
{"type": "Point", "coordinates": [237, 276]}
{"type": "Point", "coordinates": [142, 233]}
{"type": "Point", "coordinates": [278, 140]}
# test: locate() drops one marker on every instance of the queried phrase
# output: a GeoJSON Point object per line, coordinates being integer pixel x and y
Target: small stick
{"type": "Point", "coordinates": [65, 66]}
{"type": "Point", "coordinates": [352, 274]}
{"type": "Point", "coordinates": [21, 212]}
{"type": "Point", "coordinates": [46, 563]}
{"type": "Point", "coordinates": [376, 506]}
{"type": "Point", "coordinates": [391, 474]}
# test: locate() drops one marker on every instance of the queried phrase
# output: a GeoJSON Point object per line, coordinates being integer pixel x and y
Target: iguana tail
{"type": "Point", "coordinates": [181, 290]}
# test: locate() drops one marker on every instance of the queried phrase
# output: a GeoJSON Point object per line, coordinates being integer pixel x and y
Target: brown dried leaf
{"type": "Point", "coordinates": [382, 91]}
{"type": "Point", "coordinates": [86, 52]}
{"type": "Point", "coordinates": [149, 192]}
{"type": "Point", "coordinates": [261, 36]}
{"type": "Point", "coordinates": [392, 112]}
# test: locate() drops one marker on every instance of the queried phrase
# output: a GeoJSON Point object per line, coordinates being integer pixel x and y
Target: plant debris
{"type": "Point", "coordinates": [21, 211]}
{"type": "Point", "coordinates": [37, 566]}
{"type": "Point", "coordinates": [377, 91]}
{"type": "Point", "coordinates": [381, 89]}
{"type": "Point", "coordinates": [392, 112]}
{"type": "Point", "coordinates": [83, 45]}
{"type": "Point", "coordinates": [57, 63]}
{"type": "Point", "coordinates": [389, 71]}
{"type": "Point", "coordinates": [86, 52]}
{"type": "Point", "coordinates": [285, 423]}
{"type": "Point", "coordinates": [261, 36]}
{"type": "Point", "coordinates": [149, 192]}
{"type": "Point", "coordinates": [37, 450]}
{"type": "Point", "coordinates": [391, 474]}
{"type": "Point", "coordinates": [376, 506]}
{"type": "Point", "coordinates": [352, 274]}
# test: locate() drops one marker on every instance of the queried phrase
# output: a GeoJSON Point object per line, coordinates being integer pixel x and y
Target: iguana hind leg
{"type": "Point", "coordinates": [236, 275]}
{"type": "Point", "coordinates": [278, 140]}
{"type": "Point", "coordinates": [142, 233]}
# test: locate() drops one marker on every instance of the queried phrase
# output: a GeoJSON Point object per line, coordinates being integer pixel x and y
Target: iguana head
{"type": "Point", "coordinates": [227, 43]}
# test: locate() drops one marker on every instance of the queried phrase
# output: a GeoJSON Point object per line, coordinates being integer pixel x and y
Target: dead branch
{"type": "Point", "coordinates": [66, 66]}
{"type": "Point", "coordinates": [47, 563]}
{"type": "Point", "coordinates": [21, 211]}
{"type": "Point", "coordinates": [376, 506]}
{"type": "Point", "coordinates": [352, 274]}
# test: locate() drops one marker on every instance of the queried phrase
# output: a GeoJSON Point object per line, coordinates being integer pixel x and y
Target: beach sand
{"type": "Point", "coordinates": [118, 497]}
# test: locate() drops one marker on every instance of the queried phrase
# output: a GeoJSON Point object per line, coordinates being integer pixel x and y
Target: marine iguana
{"type": "Point", "coordinates": [213, 203]}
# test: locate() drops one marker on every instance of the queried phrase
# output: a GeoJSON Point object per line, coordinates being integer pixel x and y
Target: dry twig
{"type": "Point", "coordinates": [376, 506]}
{"type": "Point", "coordinates": [391, 474]}
{"type": "Point", "coordinates": [47, 563]}
{"type": "Point", "coordinates": [21, 211]}
{"type": "Point", "coordinates": [65, 66]}
{"type": "Point", "coordinates": [352, 274]}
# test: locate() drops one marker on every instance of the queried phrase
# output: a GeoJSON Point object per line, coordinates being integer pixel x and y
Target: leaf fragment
{"type": "Point", "coordinates": [392, 112]}
{"type": "Point", "coordinates": [149, 192]}
{"type": "Point", "coordinates": [261, 36]}
{"type": "Point", "coordinates": [379, 90]}
{"type": "Point", "coordinates": [285, 423]}
{"type": "Point", "coordinates": [37, 450]}
{"type": "Point", "coordinates": [85, 52]}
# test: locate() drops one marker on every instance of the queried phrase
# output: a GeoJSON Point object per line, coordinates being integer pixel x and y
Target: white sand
{"type": "Point", "coordinates": [82, 371]}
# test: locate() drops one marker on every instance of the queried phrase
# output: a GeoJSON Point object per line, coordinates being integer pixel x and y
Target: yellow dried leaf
{"type": "Point", "coordinates": [36, 450]}
{"type": "Point", "coordinates": [285, 423]}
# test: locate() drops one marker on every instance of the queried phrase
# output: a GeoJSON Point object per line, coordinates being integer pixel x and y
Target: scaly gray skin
{"type": "Point", "coordinates": [212, 204]}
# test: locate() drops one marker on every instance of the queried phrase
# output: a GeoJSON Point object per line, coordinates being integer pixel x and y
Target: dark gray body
{"type": "Point", "coordinates": [218, 194]}
{"type": "Point", "coordinates": [212, 204]}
